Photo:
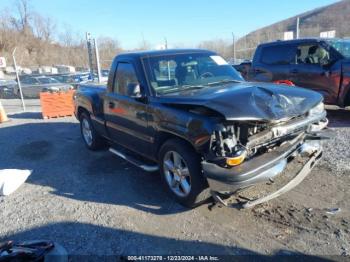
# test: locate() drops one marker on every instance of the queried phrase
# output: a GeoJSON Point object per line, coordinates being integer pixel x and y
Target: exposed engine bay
{"type": "Point", "coordinates": [251, 138]}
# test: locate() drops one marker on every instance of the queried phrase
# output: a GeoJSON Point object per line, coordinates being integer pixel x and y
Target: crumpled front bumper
{"type": "Point", "coordinates": [264, 168]}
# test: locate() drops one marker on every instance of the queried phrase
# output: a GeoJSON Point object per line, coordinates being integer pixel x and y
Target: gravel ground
{"type": "Point", "coordinates": [96, 204]}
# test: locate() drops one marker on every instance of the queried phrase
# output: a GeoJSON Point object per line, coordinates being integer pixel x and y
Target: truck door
{"type": "Point", "coordinates": [273, 62]}
{"type": "Point", "coordinates": [127, 117]}
{"type": "Point", "coordinates": [312, 70]}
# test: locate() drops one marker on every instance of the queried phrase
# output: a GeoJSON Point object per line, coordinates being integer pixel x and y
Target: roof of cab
{"type": "Point", "coordinates": [300, 40]}
{"type": "Point", "coordinates": [149, 53]}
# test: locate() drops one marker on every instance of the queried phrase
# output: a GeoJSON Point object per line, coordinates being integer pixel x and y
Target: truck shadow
{"type": "Point", "coordinates": [60, 160]}
{"type": "Point", "coordinates": [95, 243]}
{"type": "Point", "coordinates": [26, 115]}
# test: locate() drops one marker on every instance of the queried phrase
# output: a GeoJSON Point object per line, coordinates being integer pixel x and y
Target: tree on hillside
{"type": "Point", "coordinates": [23, 16]}
{"type": "Point", "coordinates": [108, 49]}
{"type": "Point", "coordinates": [220, 46]}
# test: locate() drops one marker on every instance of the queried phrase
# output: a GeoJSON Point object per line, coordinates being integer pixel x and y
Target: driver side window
{"type": "Point", "coordinates": [125, 75]}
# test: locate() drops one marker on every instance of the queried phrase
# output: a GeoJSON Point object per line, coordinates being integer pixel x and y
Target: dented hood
{"type": "Point", "coordinates": [249, 101]}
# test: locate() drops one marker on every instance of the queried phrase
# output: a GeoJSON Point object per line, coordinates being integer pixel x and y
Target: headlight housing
{"type": "Point", "coordinates": [317, 110]}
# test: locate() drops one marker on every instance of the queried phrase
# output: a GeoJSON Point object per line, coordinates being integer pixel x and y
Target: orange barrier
{"type": "Point", "coordinates": [284, 82]}
{"type": "Point", "coordinates": [3, 116]}
{"type": "Point", "coordinates": [58, 104]}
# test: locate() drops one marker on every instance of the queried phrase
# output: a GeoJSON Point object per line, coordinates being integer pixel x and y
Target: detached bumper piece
{"type": "Point", "coordinates": [263, 171]}
{"type": "Point", "coordinates": [27, 251]}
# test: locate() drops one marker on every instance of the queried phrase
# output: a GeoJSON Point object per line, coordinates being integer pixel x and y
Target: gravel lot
{"type": "Point", "coordinates": [96, 203]}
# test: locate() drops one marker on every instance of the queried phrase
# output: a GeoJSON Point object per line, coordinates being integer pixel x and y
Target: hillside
{"type": "Point", "coordinates": [39, 43]}
{"type": "Point", "coordinates": [332, 17]}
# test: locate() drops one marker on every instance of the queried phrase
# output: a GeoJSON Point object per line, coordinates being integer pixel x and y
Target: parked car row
{"type": "Point", "coordinates": [33, 84]}
{"type": "Point", "coordinates": [72, 79]}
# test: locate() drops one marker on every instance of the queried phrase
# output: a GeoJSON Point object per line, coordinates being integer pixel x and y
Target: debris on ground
{"type": "Point", "coordinates": [12, 179]}
{"type": "Point", "coordinates": [333, 211]}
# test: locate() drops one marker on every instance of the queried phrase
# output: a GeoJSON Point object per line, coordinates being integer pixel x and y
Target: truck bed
{"type": "Point", "coordinates": [93, 86]}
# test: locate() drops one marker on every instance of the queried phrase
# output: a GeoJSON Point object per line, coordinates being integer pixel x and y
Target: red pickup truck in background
{"type": "Point", "coordinates": [322, 65]}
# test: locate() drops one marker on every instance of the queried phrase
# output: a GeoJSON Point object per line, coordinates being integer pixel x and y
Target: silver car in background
{"type": "Point", "coordinates": [33, 85]}
{"type": "Point", "coordinates": [6, 88]}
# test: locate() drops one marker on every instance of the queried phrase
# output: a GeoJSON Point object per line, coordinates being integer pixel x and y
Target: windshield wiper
{"type": "Point", "coordinates": [186, 87]}
{"type": "Point", "coordinates": [224, 82]}
{"type": "Point", "coordinates": [182, 88]}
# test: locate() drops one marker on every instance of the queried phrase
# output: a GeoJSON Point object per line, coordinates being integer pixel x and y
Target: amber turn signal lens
{"type": "Point", "coordinates": [235, 161]}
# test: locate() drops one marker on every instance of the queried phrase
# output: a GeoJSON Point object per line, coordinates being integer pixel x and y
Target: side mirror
{"type": "Point", "coordinates": [134, 90]}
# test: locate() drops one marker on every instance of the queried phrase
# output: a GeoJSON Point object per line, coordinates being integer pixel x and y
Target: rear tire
{"type": "Point", "coordinates": [91, 138]}
{"type": "Point", "coordinates": [181, 173]}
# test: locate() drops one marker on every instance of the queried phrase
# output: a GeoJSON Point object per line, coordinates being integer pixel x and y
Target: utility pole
{"type": "Point", "coordinates": [90, 55]}
{"type": "Point", "coordinates": [298, 28]}
{"type": "Point", "coordinates": [144, 41]}
{"type": "Point", "coordinates": [94, 57]}
{"type": "Point", "coordinates": [97, 61]}
{"type": "Point", "coordinates": [18, 81]}
{"type": "Point", "coordinates": [234, 47]}
{"type": "Point", "coordinates": [165, 43]}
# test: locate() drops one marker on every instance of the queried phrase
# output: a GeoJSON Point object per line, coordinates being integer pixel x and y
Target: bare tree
{"type": "Point", "coordinates": [108, 48]}
{"type": "Point", "coordinates": [66, 37]}
{"type": "Point", "coordinates": [220, 46]}
{"type": "Point", "coordinates": [43, 27]}
{"type": "Point", "coordinates": [24, 16]}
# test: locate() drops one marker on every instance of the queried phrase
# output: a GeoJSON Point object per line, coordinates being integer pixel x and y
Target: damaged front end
{"type": "Point", "coordinates": [243, 153]}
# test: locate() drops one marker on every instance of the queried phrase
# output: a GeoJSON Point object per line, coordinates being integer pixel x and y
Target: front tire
{"type": "Point", "coordinates": [91, 138]}
{"type": "Point", "coordinates": [181, 173]}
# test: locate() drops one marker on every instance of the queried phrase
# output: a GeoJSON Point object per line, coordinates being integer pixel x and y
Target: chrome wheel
{"type": "Point", "coordinates": [87, 132]}
{"type": "Point", "coordinates": [177, 174]}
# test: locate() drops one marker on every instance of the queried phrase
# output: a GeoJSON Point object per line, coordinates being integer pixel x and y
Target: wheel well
{"type": "Point", "coordinates": [164, 137]}
{"type": "Point", "coordinates": [81, 110]}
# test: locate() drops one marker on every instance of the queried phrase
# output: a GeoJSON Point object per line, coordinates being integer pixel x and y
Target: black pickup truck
{"type": "Point", "coordinates": [190, 115]}
{"type": "Point", "coordinates": [322, 65]}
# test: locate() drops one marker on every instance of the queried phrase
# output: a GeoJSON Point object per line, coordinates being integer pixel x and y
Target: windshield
{"type": "Point", "coordinates": [47, 80]}
{"type": "Point", "coordinates": [66, 79]}
{"type": "Point", "coordinates": [173, 73]}
{"type": "Point", "coordinates": [342, 46]}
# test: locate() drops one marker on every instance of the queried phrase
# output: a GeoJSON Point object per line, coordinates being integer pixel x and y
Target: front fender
{"type": "Point", "coordinates": [193, 128]}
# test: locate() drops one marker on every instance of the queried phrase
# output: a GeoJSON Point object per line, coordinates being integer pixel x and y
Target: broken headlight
{"type": "Point", "coordinates": [317, 110]}
{"type": "Point", "coordinates": [225, 146]}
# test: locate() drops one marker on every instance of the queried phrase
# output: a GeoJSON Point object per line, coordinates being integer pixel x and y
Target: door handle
{"type": "Point", "coordinates": [111, 104]}
{"type": "Point", "coordinates": [258, 71]}
{"type": "Point", "coordinates": [294, 71]}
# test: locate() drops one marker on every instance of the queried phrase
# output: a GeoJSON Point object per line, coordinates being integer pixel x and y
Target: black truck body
{"type": "Point", "coordinates": [190, 115]}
